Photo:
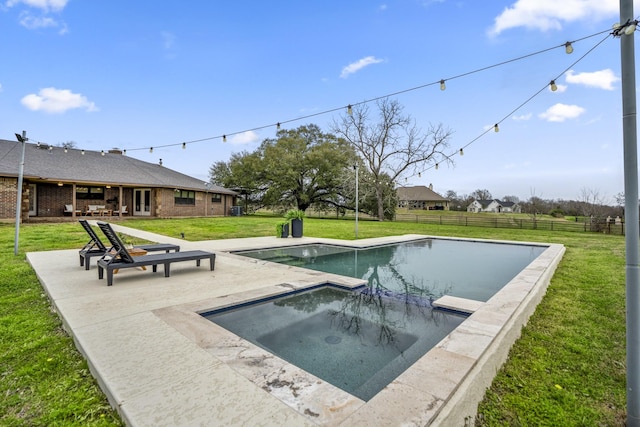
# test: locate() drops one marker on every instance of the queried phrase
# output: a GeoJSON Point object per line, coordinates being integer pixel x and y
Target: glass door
{"type": "Point", "coordinates": [142, 201]}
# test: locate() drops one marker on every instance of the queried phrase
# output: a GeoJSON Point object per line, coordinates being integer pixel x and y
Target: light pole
{"type": "Point", "coordinates": [21, 139]}
{"type": "Point", "coordinates": [356, 169]}
{"type": "Point", "coordinates": [631, 210]}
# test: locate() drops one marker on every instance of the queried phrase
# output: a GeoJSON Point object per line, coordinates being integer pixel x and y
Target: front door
{"type": "Point", "coordinates": [142, 201]}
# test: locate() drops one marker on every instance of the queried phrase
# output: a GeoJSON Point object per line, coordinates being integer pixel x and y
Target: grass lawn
{"type": "Point", "coordinates": [568, 368]}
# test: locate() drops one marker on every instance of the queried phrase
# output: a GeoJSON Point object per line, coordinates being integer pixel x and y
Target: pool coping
{"type": "Point", "coordinates": [160, 363]}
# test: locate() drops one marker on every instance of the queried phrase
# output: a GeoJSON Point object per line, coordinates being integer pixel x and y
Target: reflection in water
{"type": "Point", "coordinates": [428, 268]}
{"type": "Point", "coordinates": [358, 341]}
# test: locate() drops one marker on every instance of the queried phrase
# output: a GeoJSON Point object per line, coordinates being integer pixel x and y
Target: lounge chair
{"type": "Point", "coordinates": [118, 257]}
{"type": "Point", "coordinates": [95, 247]}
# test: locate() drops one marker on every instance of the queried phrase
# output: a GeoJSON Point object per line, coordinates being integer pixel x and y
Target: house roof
{"type": "Point", "coordinates": [419, 192]}
{"type": "Point", "coordinates": [114, 168]}
{"type": "Point", "coordinates": [486, 203]}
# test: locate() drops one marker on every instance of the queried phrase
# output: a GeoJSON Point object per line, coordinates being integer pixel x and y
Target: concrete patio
{"type": "Point", "coordinates": [162, 364]}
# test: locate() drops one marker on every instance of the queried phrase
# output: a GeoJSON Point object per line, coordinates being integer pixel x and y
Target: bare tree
{"type": "Point", "coordinates": [393, 144]}
{"type": "Point", "coordinates": [592, 202]}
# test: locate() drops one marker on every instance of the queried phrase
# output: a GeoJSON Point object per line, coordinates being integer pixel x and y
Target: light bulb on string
{"type": "Point", "coordinates": [66, 150]}
{"type": "Point", "coordinates": [82, 152]}
{"type": "Point", "coordinates": [496, 129]}
{"type": "Point", "coordinates": [224, 138]}
{"type": "Point", "coordinates": [102, 152]}
{"type": "Point", "coordinates": [437, 166]}
{"type": "Point", "coordinates": [124, 152]}
{"type": "Point", "coordinates": [553, 86]}
{"type": "Point", "coordinates": [631, 28]}
{"type": "Point", "coordinates": [184, 145]}
{"type": "Point", "coordinates": [150, 149]}
{"type": "Point", "coordinates": [349, 110]}
{"type": "Point", "coordinates": [461, 152]}
{"type": "Point", "coordinates": [278, 126]}
{"type": "Point", "coordinates": [419, 174]}
{"type": "Point", "coordinates": [568, 48]}
{"type": "Point", "coordinates": [443, 86]}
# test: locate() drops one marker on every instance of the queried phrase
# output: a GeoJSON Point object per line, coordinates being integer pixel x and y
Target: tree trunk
{"type": "Point", "coordinates": [379, 196]}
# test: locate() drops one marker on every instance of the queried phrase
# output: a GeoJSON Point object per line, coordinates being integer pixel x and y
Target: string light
{"type": "Point", "coordinates": [419, 175]}
{"type": "Point", "coordinates": [553, 86]}
{"type": "Point", "coordinates": [184, 145]}
{"type": "Point", "coordinates": [224, 138]}
{"type": "Point", "coordinates": [628, 28]}
{"type": "Point", "coordinates": [150, 149]}
{"type": "Point", "coordinates": [124, 152]}
{"type": "Point", "coordinates": [82, 152]}
{"type": "Point", "coordinates": [102, 153]}
{"type": "Point", "coordinates": [66, 149]}
{"type": "Point", "coordinates": [568, 48]}
{"type": "Point", "coordinates": [437, 166]}
{"type": "Point", "coordinates": [496, 128]}
{"type": "Point", "coordinates": [461, 152]}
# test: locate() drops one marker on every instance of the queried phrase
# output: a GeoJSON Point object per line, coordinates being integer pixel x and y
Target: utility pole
{"type": "Point", "coordinates": [632, 259]}
{"type": "Point", "coordinates": [23, 140]}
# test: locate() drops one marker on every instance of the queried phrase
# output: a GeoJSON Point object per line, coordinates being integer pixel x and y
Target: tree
{"type": "Point", "coordinates": [300, 167]}
{"type": "Point", "coordinates": [243, 174]}
{"type": "Point", "coordinates": [482, 194]}
{"type": "Point", "coordinates": [512, 199]}
{"type": "Point", "coordinates": [391, 145]}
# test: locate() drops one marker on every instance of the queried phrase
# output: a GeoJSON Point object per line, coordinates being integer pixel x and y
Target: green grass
{"type": "Point", "coordinates": [568, 368]}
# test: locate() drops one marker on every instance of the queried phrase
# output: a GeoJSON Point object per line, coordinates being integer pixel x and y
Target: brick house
{"type": "Point", "coordinates": [73, 182]}
{"type": "Point", "coordinates": [421, 197]}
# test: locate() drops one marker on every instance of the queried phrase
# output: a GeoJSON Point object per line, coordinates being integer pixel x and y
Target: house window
{"type": "Point", "coordinates": [216, 198]}
{"type": "Point", "coordinates": [184, 197]}
{"type": "Point", "coordinates": [89, 193]}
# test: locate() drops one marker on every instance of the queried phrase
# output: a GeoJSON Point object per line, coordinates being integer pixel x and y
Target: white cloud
{"type": "Point", "coordinates": [547, 15]}
{"type": "Point", "coordinates": [245, 138]}
{"type": "Point", "coordinates": [358, 65]}
{"type": "Point", "coordinates": [522, 117]}
{"type": "Point", "coordinates": [603, 79]}
{"type": "Point", "coordinates": [561, 112]}
{"type": "Point", "coordinates": [52, 100]}
{"type": "Point", "coordinates": [44, 5]}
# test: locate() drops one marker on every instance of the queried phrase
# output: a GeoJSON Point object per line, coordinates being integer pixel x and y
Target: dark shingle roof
{"type": "Point", "coordinates": [92, 168]}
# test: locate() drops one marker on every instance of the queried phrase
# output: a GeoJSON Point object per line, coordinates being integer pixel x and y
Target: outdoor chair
{"type": "Point", "coordinates": [118, 257]}
{"type": "Point", "coordinates": [68, 210]}
{"type": "Point", "coordinates": [122, 209]}
{"type": "Point", "coordinates": [95, 247]}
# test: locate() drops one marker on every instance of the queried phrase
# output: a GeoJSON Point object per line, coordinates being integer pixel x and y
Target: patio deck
{"type": "Point", "coordinates": [161, 364]}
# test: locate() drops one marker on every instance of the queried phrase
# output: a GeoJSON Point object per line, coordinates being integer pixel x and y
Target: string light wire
{"type": "Point", "coordinates": [512, 112]}
{"type": "Point", "coordinates": [400, 92]}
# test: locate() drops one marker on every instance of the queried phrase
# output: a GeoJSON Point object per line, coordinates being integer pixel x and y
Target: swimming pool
{"type": "Point", "coordinates": [428, 268]}
{"type": "Point", "coordinates": [356, 340]}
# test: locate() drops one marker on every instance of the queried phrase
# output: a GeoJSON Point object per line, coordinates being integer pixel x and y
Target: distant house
{"type": "Point", "coordinates": [72, 182]}
{"type": "Point", "coordinates": [494, 205]}
{"type": "Point", "coordinates": [421, 197]}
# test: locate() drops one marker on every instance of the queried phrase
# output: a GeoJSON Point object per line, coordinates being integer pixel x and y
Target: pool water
{"type": "Point", "coordinates": [429, 268]}
{"type": "Point", "coordinates": [356, 340]}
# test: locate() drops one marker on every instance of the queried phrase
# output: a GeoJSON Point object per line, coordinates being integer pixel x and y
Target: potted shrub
{"type": "Point", "coordinates": [295, 216]}
{"type": "Point", "coordinates": [282, 229]}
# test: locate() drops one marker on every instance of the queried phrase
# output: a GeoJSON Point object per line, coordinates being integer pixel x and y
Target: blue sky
{"type": "Point", "coordinates": [142, 74]}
